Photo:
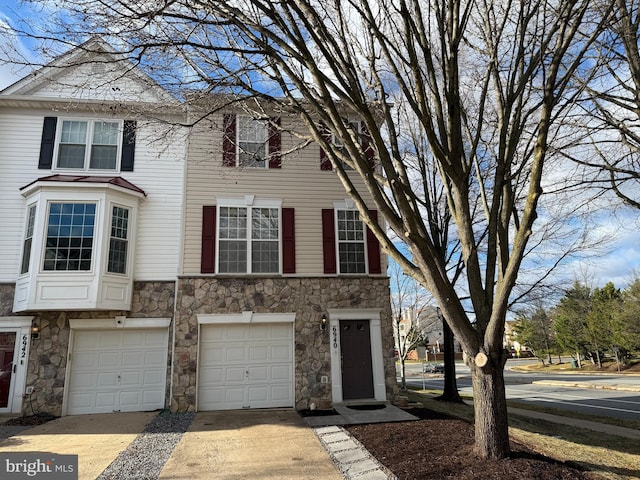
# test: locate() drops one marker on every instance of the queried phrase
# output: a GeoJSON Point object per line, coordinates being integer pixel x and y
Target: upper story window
{"type": "Point", "coordinates": [250, 236]}
{"type": "Point", "coordinates": [119, 241]}
{"type": "Point", "coordinates": [351, 242]}
{"type": "Point", "coordinates": [69, 240]}
{"type": "Point", "coordinates": [78, 250]}
{"type": "Point", "coordinates": [84, 145]}
{"type": "Point", "coordinates": [91, 145]}
{"type": "Point", "coordinates": [253, 148]}
{"type": "Point", "coordinates": [251, 143]}
{"type": "Point", "coordinates": [348, 246]}
{"type": "Point", "coordinates": [249, 240]}
{"type": "Point", "coordinates": [28, 239]}
{"type": "Point", "coordinates": [359, 130]}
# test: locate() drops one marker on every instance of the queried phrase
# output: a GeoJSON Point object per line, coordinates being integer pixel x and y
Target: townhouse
{"type": "Point", "coordinates": [144, 265]}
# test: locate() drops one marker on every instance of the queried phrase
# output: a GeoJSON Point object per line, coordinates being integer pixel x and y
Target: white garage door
{"type": "Point", "coordinates": [117, 371]}
{"type": "Point", "coordinates": [245, 366]}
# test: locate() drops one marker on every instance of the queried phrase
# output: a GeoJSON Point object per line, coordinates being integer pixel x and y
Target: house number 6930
{"type": "Point", "coordinates": [334, 335]}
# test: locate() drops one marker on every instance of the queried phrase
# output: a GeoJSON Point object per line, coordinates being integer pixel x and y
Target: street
{"type": "Point", "coordinates": [539, 389]}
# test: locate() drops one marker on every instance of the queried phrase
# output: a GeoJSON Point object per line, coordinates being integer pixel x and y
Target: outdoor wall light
{"type": "Point", "coordinates": [323, 322]}
{"type": "Point", "coordinates": [35, 330]}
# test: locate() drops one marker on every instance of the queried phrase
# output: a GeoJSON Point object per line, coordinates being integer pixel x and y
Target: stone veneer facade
{"type": "Point", "coordinates": [49, 353]}
{"type": "Point", "coordinates": [308, 298]}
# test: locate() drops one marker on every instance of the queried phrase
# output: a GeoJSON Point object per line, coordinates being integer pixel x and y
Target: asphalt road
{"type": "Point", "coordinates": [545, 390]}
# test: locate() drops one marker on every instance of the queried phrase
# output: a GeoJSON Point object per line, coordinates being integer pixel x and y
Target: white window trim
{"type": "Point", "coordinates": [43, 246]}
{"type": "Point", "coordinates": [266, 143]}
{"type": "Point", "coordinates": [349, 204]}
{"type": "Point", "coordinates": [128, 265]}
{"type": "Point", "coordinates": [87, 155]}
{"type": "Point", "coordinates": [249, 202]}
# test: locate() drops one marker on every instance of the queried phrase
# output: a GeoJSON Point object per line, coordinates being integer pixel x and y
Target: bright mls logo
{"type": "Point", "coordinates": [38, 465]}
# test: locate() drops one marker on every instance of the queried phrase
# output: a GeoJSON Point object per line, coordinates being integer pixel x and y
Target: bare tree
{"type": "Point", "coordinates": [408, 300]}
{"type": "Point", "coordinates": [486, 84]}
{"type": "Point", "coordinates": [612, 126]}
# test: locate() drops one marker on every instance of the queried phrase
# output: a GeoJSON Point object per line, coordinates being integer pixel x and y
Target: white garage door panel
{"type": "Point", "coordinates": [120, 370]}
{"type": "Point", "coordinates": [245, 366]}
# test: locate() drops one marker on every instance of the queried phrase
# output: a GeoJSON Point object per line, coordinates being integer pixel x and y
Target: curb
{"type": "Point", "coordinates": [593, 386]}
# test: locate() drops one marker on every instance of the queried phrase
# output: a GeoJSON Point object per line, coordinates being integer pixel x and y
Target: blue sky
{"type": "Point", "coordinates": [618, 261]}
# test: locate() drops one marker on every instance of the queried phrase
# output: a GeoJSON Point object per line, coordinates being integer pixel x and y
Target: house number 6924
{"type": "Point", "coordinates": [334, 335]}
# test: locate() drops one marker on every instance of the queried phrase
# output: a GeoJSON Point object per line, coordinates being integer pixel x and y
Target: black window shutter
{"type": "Point", "coordinates": [128, 146]}
{"type": "Point", "coordinates": [288, 241]}
{"type": "Point", "coordinates": [48, 142]}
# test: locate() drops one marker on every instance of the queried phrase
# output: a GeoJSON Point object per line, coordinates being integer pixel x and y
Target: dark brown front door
{"type": "Point", "coordinates": [357, 371]}
{"type": "Point", "coordinates": [7, 347]}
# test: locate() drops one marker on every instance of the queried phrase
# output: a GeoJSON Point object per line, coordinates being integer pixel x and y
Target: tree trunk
{"type": "Point", "coordinates": [450, 392]}
{"type": "Point", "coordinates": [490, 407]}
{"type": "Point", "coordinates": [578, 358]}
{"type": "Point", "coordinates": [403, 384]}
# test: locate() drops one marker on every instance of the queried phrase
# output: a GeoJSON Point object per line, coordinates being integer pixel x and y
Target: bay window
{"type": "Point", "coordinates": [69, 241]}
{"type": "Point", "coordinates": [78, 244]}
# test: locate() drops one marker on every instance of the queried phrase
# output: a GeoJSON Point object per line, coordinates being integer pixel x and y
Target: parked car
{"type": "Point", "coordinates": [433, 368]}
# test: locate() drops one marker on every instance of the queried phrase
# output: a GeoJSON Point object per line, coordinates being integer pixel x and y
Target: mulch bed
{"type": "Point", "coordinates": [441, 447]}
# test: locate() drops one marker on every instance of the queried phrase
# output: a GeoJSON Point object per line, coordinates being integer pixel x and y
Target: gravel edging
{"type": "Point", "coordinates": [145, 457]}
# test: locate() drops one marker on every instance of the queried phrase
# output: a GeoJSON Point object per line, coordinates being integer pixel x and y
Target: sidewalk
{"type": "Point", "coordinates": [579, 423]}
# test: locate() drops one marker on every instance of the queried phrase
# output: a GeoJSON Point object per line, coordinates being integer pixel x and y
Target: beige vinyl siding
{"type": "Point", "coordinates": [299, 183]}
{"type": "Point", "coordinates": [158, 170]}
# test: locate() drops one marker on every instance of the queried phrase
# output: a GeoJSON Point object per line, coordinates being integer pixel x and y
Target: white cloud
{"type": "Point", "coordinates": [15, 54]}
{"type": "Point", "coordinates": [619, 262]}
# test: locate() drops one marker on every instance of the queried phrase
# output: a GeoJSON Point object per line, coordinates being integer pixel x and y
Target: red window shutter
{"type": "Point", "coordinates": [325, 163]}
{"type": "Point", "coordinates": [373, 247]}
{"type": "Point", "coordinates": [229, 140]}
{"type": "Point", "coordinates": [366, 145]}
{"type": "Point", "coordinates": [288, 241]}
{"type": "Point", "coordinates": [208, 259]}
{"type": "Point", "coordinates": [328, 240]}
{"type": "Point", "coordinates": [275, 143]}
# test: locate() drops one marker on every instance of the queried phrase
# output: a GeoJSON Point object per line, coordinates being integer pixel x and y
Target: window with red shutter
{"type": "Point", "coordinates": [355, 250]}
{"type": "Point", "coordinates": [251, 143]}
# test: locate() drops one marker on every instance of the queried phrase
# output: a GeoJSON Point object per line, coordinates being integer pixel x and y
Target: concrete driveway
{"type": "Point", "coordinates": [256, 444]}
{"type": "Point", "coordinates": [252, 444]}
{"type": "Point", "coordinates": [96, 439]}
